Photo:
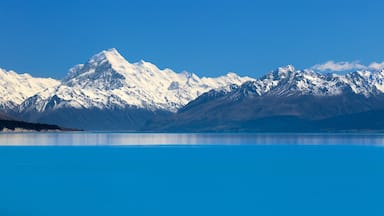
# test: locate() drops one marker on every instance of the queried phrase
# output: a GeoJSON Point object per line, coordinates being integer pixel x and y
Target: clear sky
{"type": "Point", "coordinates": [210, 38]}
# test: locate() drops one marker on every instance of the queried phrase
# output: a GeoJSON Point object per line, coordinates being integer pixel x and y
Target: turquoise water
{"type": "Point", "coordinates": [210, 174]}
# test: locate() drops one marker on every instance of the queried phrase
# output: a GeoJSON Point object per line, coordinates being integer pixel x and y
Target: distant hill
{"type": "Point", "coordinates": [8, 123]}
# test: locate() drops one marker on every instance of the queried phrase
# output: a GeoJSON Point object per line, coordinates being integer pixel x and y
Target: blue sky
{"type": "Point", "coordinates": [210, 38]}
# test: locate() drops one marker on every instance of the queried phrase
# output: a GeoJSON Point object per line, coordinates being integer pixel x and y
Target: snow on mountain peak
{"type": "Point", "coordinates": [286, 81]}
{"type": "Point", "coordinates": [15, 88]}
{"type": "Point", "coordinates": [102, 71]}
{"type": "Point", "coordinates": [111, 55]}
{"type": "Point", "coordinates": [110, 58]}
{"type": "Point", "coordinates": [103, 59]}
{"type": "Point", "coordinates": [288, 68]}
{"type": "Point", "coordinates": [284, 72]}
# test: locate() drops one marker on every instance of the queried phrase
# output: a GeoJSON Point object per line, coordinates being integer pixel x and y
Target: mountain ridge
{"type": "Point", "coordinates": [284, 100]}
{"type": "Point", "coordinates": [15, 88]}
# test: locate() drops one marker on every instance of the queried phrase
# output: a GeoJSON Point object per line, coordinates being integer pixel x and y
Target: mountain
{"type": "Point", "coordinates": [16, 88]}
{"type": "Point", "coordinates": [108, 92]}
{"type": "Point", "coordinates": [285, 100]}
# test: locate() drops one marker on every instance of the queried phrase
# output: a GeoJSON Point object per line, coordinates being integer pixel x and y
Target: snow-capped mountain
{"type": "Point", "coordinates": [286, 81]}
{"type": "Point", "coordinates": [15, 88]}
{"type": "Point", "coordinates": [286, 100]}
{"type": "Point", "coordinates": [108, 81]}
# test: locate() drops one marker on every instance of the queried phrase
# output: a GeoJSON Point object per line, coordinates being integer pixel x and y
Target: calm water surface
{"type": "Point", "coordinates": [191, 174]}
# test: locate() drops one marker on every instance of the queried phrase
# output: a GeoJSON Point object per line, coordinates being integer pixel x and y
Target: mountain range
{"type": "Point", "coordinates": [287, 100]}
{"type": "Point", "coordinates": [109, 93]}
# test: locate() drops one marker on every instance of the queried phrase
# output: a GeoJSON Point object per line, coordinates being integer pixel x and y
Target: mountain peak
{"type": "Point", "coordinates": [111, 55]}
{"type": "Point", "coordinates": [99, 63]}
{"type": "Point", "coordinates": [280, 73]}
{"type": "Point", "coordinates": [288, 68]}
{"type": "Point", "coordinates": [102, 71]}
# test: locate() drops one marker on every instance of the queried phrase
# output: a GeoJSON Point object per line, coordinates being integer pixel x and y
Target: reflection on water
{"type": "Point", "coordinates": [95, 138]}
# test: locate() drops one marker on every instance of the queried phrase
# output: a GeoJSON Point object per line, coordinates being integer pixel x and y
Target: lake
{"type": "Point", "coordinates": [44, 174]}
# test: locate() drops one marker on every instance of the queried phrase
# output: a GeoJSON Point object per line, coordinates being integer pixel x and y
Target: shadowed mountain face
{"type": "Point", "coordinates": [129, 119]}
{"type": "Point", "coordinates": [4, 116]}
{"type": "Point", "coordinates": [276, 114]}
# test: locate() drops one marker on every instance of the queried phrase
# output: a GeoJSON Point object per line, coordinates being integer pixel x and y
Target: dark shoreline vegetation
{"type": "Point", "coordinates": [12, 125]}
